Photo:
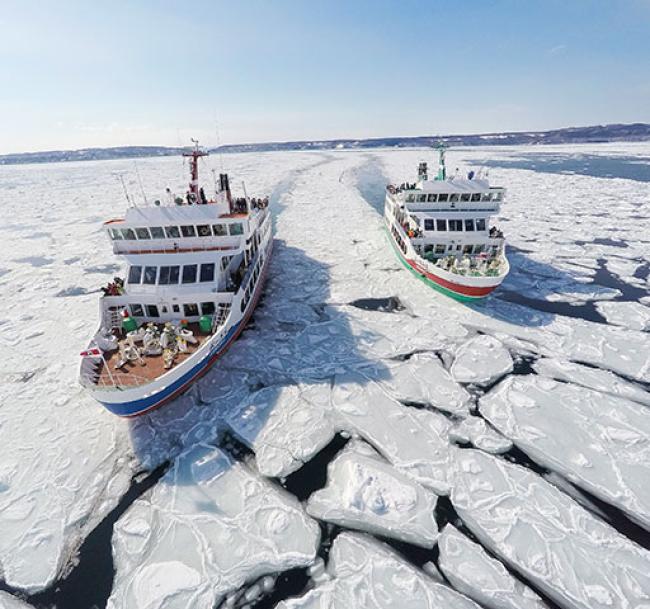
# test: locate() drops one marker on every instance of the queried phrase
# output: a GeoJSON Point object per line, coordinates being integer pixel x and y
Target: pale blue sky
{"type": "Point", "coordinates": [76, 74]}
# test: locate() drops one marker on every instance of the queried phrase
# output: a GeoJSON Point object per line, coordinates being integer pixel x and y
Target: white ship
{"type": "Point", "coordinates": [195, 271]}
{"type": "Point", "coordinates": [440, 230]}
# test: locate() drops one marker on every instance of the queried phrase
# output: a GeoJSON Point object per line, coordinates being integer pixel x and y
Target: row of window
{"type": "Point", "coordinates": [469, 224]}
{"type": "Point", "coordinates": [190, 309]}
{"type": "Point", "coordinates": [454, 197]}
{"type": "Point", "coordinates": [176, 232]}
{"type": "Point", "coordinates": [171, 275]}
{"type": "Point", "coordinates": [399, 239]}
{"type": "Point", "coordinates": [251, 284]}
{"type": "Point", "coordinates": [441, 248]}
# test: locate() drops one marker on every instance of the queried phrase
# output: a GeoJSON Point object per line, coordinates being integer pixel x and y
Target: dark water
{"type": "Point", "coordinates": [598, 166]}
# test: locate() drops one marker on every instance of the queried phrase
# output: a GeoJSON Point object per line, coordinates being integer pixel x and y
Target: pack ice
{"type": "Point", "coordinates": [573, 557]}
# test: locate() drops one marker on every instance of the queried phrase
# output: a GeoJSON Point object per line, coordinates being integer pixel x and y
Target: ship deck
{"type": "Point", "coordinates": [134, 373]}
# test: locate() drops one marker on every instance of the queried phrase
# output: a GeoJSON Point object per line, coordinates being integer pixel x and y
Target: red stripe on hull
{"type": "Point", "coordinates": [465, 290]}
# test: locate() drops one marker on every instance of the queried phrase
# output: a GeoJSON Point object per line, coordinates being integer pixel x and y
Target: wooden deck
{"type": "Point", "coordinates": [134, 373]}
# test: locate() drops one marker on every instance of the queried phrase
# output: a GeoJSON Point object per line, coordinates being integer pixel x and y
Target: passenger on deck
{"type": "Point", "coordinates": [202, 196]}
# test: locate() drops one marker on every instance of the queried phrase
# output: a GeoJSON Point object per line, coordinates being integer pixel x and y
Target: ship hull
{"type": "Point", "coordinates": [464, 292]}
{"type": "Point", "coordinates": [134, 402]}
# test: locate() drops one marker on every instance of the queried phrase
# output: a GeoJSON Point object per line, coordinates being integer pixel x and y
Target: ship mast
{"type": "Point", "coordinates": [194, 167]}
{"type": "Point", "coordinates": [442, 169]}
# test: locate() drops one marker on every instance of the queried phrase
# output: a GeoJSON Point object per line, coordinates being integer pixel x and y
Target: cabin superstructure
{"type": "Point", "coordinates": [194, 269]}
{"type": "Point", "coordinates": [444, 226]}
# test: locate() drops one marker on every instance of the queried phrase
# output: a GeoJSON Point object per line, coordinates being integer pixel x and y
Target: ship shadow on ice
{"type": "Point", "coordinates": [533, 285]}
{"type": "Point", "coordinates": [293, 338]}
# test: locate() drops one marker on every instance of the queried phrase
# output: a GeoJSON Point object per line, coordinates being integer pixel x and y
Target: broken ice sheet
{"type": "Point", "coordinates": [7, 601]}
{"type": "Point", "coordinates": [481, 361]}
{"type": "Point", "coordinates": [631, 315]}
{"type": "Point", "coordinates": [368, 574]}
{"type": "Point", "coordinates": [475, 431]}
{"type": "Point", "coordinates": [470, 570]}
{"type": "Point", "coordinates": [413, 440]}
{"type": "Point", "coordinates": [573, 557]}
{"type": "Point", "coordinates": [209, 525]}
{"type": "Point", "coordinates": [598, 441]}
{"type": "Point", "coordinates": [284, 425]}
{"type": "Point", "coordinates": [423, 379]}
{"type": "Point", "coordinates": [365, 492]}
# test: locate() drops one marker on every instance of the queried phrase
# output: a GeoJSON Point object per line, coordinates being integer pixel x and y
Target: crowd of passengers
{"type": "Point", "coordinates": [239, 205]}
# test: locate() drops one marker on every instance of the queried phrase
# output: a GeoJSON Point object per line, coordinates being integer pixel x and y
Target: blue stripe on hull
{"type": "Point", "coordinates": [136, 407]}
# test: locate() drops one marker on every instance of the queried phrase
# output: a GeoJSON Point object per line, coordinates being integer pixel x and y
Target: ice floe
{"type": "Point", "coordinates": [481, 361]}
{"type": "Point", "coordinates": [475, 431]}
{"type": "Point", "coordinates": [365, 492]}
{"type": "Point", "coordinates": [209, 526]}
{"type": "Point", "coordinates": [285, 425]}
{"type": "Point", "coordinates": [573, 557]}
{"type": "Point", "coordinates": [470, 570]}
{"type": "Point", "coordinates": [7, 601]}
{"type": "Point", "coordinates": [599, 442]}
{"type": "Point", "coordinates": [413, 440]}
{"type": "Point", "coordinates": [631, 315]}
{"type": "Point", "coordinates": [366, 573]}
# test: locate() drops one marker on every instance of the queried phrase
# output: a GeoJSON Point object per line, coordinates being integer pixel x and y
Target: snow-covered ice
{"type": "Point", "coordinates": [365, 492]}
{"type": "Point", "coordinates": [573, 557]}
{"type": "Point", "coordinates": [413, 440]}
{"type": "Point", "coordinates": [7, 601]}
{"type": "Point", "coordinates": [473, 572]}
{"type": "Point", "coordinates": [366, 573]}
{"type": "Point", "coordinates": [209, 526]}
{"type": "Point", "coordinates": [599, 442]}
{"type": "Point", "coordinates": [481, 361]}
{"type": "Point", "coordinates": [319, 357]}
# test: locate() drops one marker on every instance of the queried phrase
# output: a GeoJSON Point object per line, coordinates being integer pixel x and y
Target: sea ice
{"type": "Point", "coordinates": [7, 601]}
{"type": "Point", "coordinates": [413, 440]}
{"type": "Point", "coordinates": [477, 575]}
{"type": "Point", "coordinates": [366, 573]}
{"type": "Point", "coordinates": [631, 315]}
{"type": "Point", "coordinates": [209, 526]}
{"type": "Point", "coordinates": [599, 442]}
{"type": "Point", "coordinates": [285, 425]}
{"type": "Point", "coordinates": [481, 361]}
{"type": "Point", "coordinates": [592, 378]}
{"type": "Point", "coordinates": [573, 557]}
{"type": "Point", "coordinates": [364, 492]}
{"type": "Point", "coordinates": [475, 431]}
{"type": "Point", "coordinates": [422, 379]}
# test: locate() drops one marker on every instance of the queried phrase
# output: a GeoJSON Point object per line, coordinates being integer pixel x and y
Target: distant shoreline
{"type": "Point", "coordinates": [634, 132]}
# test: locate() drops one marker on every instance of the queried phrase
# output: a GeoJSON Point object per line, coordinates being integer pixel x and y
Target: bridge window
{"type": "Point", "coordinates": [433, 198]}
{"type": "Point", "coordinates": [422, 198]}
{"type": "Point", "coordinates": [136, 310]}
{"type": "Point", "coordinates": [497, 196]}
{"type": "Point", "coordinates": [456, 225]}
{"type": "Point", "coordinates": [467, 249]}
{"type": "Point", "coordinates": [479, 248]}
{"type": "Point", "coordinates": [172, 232]}
{"type": "Point", "coordinates": [168, 275]}
{"type": "Point", "coordinates": [143, 233]}
{"type": "Point", "coordinates": [128, 233]}
{"type": "Point", "coordinates": [115, 234]}
{"type": "Point", "coordinates": [469, 224]}
{"type": "Point", "coordinates": [188, 231]}
{"type": "Point", "coordinates": [476, 196]}
{"type": "Point", "coordinates": [190, 309]}
{"type": "Point", "coordinates": [204, 230]}
{"type": "Point", "coordinates": [236, 228]}
{"type": "Point", "coordinates": [157, 232]}
{"type": "Point", "coordinates": [464, 197]}
{"type": "Point", "coordinates": [150, 273]}
{"type": "Point", "coordinates": [453, 198]}
{"type": "Point", "coordinates": [207, 272]}
{"type": "Point", "coordinates": [440, 248]}
{"type": "Point", "coordinates": [486, 196]}
{"type": "Point", "coordinates": [189, 273]}
{"type": "Point", "coordinates": [410, 198]}
{"type": "Point", "coordinates": [135, 273]}
{"type": "Point", "coordinates": [219, 230]}
{"type": "Point", "coordinates": [207, 308]}
{"type": "Point", "coordinates": [152, 311]}
{"type": "Point", "coordinates": [443, 197]}
{"type": "Point", "coordinates": [480, 224]}
{"type": "Point", "coordinates": [428, 224]}
{"type": "Point", "coordinates": [441, 224]}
